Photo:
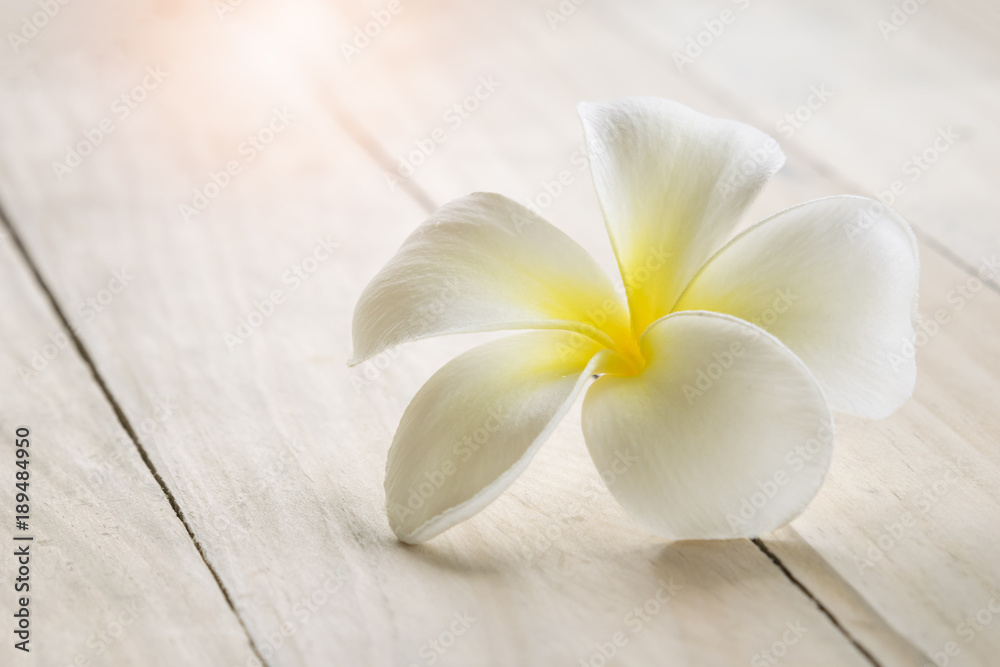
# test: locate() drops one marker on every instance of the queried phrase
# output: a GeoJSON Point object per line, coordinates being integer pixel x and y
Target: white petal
{"type": "Point", "coordinates": [473, 428]}
{"type": "Point", "coordinates": [724, 434]}
{"type": "Point", "coordinates": [672, 184]}
{"type": "Point", "coordinates": [485, 263]}
{"type": "Point", "coordinates": [836, 280]}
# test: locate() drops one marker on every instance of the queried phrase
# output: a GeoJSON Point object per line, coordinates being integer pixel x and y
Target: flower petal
{"type": "Point", "coordinates": [476, 423]}
{"type": "Point", "coordinates": [724, 434]}
{"type": "Point", "coordinates": [836, 280]}
{"type": "Point", "coordinates": [485, 263]}
{"type": "Point", "coordinates": [672, 184]}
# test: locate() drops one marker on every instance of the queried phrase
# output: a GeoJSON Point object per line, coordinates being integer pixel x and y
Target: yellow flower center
{"type": "Point", "coordinates": [624, 355]}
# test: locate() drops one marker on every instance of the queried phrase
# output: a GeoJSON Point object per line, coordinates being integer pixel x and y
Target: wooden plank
{"type": "Point", "coordinates": [275, 454]}
{"type": "Point", "coordinates": [882, 470]}
{"type": "Point", "coordinates": [114, 577]}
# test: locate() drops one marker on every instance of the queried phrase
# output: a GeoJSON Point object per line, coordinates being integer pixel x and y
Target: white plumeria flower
{"type": "Point", "coordinates": [716, 375]}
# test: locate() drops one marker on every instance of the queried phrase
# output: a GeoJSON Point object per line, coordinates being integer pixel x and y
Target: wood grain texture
{"type": "Point", "coordinates": [275, 451]}
{"type": "Point", "coordinates": [114, 577]}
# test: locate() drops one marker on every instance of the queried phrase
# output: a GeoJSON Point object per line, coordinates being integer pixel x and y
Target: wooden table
{"type": "Point", "coordinates": [194, 195]}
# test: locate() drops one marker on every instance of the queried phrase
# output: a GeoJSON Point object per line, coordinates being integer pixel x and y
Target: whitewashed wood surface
{"type": "Point", "coordinates": [201, 501]}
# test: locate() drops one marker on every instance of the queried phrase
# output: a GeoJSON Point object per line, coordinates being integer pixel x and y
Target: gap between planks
{"type": "Point", "coordinates": [819, 605]}
{"type": "Point", "coordinates": [122, 419]}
